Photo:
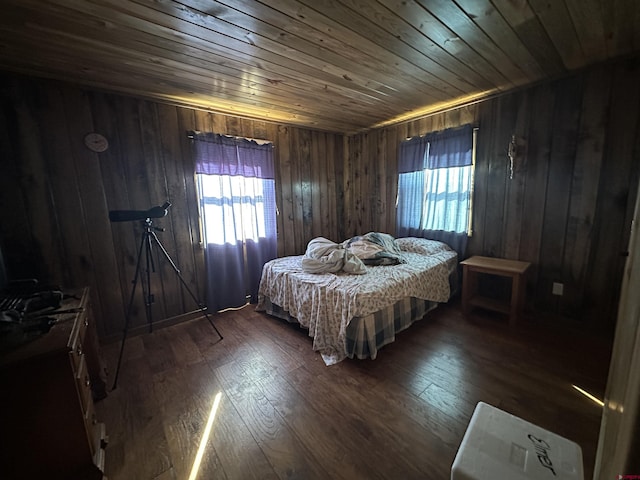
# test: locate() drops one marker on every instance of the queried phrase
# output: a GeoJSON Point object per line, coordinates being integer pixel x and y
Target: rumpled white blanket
{"type": "Point", "coordinates": [325, 256]}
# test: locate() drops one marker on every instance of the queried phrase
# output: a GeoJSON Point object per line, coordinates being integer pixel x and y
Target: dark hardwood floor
{"type": "Point", "coordinates": [284, 414]}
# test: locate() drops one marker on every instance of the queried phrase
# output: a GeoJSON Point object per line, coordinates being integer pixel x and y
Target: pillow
{"type": "Point", "coordinates": [423, 246]}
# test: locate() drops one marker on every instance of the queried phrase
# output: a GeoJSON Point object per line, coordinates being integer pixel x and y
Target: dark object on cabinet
{"type": "Point", "coordinates": [48, 424]}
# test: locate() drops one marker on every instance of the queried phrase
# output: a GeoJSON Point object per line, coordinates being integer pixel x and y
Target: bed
{"type": "Point", "coordinates": [351, 315]}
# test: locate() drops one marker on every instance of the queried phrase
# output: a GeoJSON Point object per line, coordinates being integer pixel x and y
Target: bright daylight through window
{"type": "Point", "coordinates": [234, 207]}
{"type": "Point", "coordinates": [447, 197]}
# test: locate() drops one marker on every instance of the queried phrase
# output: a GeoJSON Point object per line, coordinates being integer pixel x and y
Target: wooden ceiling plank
{"type": "Point", "coordinates": [260, 35]}
{"type": "Point", "coordinates": [183, 80]}
{"type": "Point", "coordinates": [332, 65]}
{"type": "Point", "coordinates": [363, 28]}
{"type": "Point", "coordinates": [404, 28]}
{"type": "Point", "coordinates": [316, 24]}
{"type": "Point", "coordinates": [195, 35]}
{"type": "Point", "coordinates": [54, 55]}
{"type": "Point", "coordinates": [302, 22]}
{"type": "Point", "coordinates": [458, 22]}
{"type": "Point", "coordinates": [436, 32]}
{"type": "Point", "coordinates": [280, 42]}
{"type": "Point", "coordinates": [556, 20]}
{"type": "Point", "coordinates": [621, 19]}
{"type": "Point", "coordinates": [109, 39]}
{"type": "Point", "coordinates": [401, 28]}
{"type": "Point", "coordinates": [531, 33]}
{"type": "Point", "coordinates": [636, 31]}
{"type": "Point", "coordinates": [374, 118]}
{"type": "Point", "coordinates": [366, 67]}
{"type": "Point", "coordinates": [405, 88]}
{"type": "Point", "coordinates": [488, 18]}
{"type": "Point", "coordinates": [342, 112]}
{"type": "Point", "coordinates": [135, 87]}
{"type": "Point", "coordinates": [587, 17]}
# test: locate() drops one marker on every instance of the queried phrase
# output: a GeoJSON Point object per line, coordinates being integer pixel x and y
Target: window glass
{"type": "Point", "coordinates": [234, 207]}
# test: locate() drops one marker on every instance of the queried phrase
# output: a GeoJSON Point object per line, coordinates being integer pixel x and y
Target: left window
{"type": "Point", "coordinates": [236, 196]}
{"type": "Point", "coordinates": [235, 208]}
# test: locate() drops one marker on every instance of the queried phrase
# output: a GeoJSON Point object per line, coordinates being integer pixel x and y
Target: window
{"type": "Point", "coordinates": [435, 186]}
{"type": "Point", "coordinates": [235, 209]}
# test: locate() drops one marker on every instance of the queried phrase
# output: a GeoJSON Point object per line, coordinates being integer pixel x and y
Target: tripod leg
{"type": "Point", "coordinates": [201, 306]}
{"type": "Point", "coordinates": [128, 314]}
{"type": "Point", "coordinates": [148, 296]}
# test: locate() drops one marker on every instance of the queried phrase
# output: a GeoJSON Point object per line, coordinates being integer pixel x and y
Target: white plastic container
{"type": "Point", "coordinates": [501, 446]}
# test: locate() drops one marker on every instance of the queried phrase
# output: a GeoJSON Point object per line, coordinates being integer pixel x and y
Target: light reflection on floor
{"type": "Point", "coordinates": [595, 400]}
{"type": "Point", "coordinates": [205, 437]}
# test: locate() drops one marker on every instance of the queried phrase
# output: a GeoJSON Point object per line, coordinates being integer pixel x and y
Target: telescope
{"type": "Point", "coordinates": [133, 215]}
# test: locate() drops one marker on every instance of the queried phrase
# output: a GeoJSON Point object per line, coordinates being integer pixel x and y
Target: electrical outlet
{"type": "Point", "coordinates": [558, 288]}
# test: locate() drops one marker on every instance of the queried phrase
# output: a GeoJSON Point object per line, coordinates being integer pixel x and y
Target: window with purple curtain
{"type": "Point", "coordinates": [236, 189]}
{"type": "Point", "coordinates": [435, 185]}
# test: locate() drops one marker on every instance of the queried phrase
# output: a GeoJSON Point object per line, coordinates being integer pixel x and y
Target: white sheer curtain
{"type": "Point", "coordinates": [233, 208]}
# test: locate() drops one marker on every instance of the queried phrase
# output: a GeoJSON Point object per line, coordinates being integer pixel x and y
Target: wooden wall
{"type": "Point", "coordinates": [55, 194]}
{"type": "Point", "coordinates": [568, 207]}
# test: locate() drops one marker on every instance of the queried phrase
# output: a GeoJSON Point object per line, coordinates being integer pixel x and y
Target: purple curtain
{"type": "Point", "coordinates": [413, 155]}
{"type": "Point", "coordinates": [450, 148]}
{"type": "Point", "coordinates": [237, 200]}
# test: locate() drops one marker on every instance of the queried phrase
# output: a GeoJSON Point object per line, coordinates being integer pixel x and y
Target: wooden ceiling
{"type": "Point", "coordinates": [335, 65]}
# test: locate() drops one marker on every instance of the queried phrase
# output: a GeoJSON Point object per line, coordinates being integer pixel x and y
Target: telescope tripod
{"type": "Point", "coordinates": [149, 239]}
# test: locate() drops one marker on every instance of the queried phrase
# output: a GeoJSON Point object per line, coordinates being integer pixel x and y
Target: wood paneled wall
{"type": "Point", "coordinates": [568, 207]}
{"type": "Point", "coordinates": [55, 194]}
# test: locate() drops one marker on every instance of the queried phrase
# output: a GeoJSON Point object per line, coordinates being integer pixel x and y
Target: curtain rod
{"type": "Point", "coordinates": [260, 141]}
{"type": "Point", "coordinates": [475, 129]}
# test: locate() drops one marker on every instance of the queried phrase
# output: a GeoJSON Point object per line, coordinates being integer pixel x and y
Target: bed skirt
{"type": "Point", "coordinates": [366, 335]}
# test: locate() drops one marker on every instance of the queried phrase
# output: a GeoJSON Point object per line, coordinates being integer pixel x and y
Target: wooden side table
{"type": "Point", "coordinates": [513, 269]}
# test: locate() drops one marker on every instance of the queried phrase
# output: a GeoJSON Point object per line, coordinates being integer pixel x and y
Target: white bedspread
{"type": "Point", "coordinates": [325, 303]}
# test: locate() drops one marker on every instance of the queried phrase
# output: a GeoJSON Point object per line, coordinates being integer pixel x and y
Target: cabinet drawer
{"type": "Point", "coordinates": [100, 441]}
{"type": "Point", "coordinates": [90, 423]}
{"type": "Point", "coordinates": [96, 433]}
{"type": "Point", "coordinates": [84, 385]}
{"type": "Point", "coordinates": [78, 340]}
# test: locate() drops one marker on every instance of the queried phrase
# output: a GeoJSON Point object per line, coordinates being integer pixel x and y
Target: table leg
{"type": "Point", "coordinates": [466, 289]}
{"type": "Point", "coordinates": [516, 298]}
